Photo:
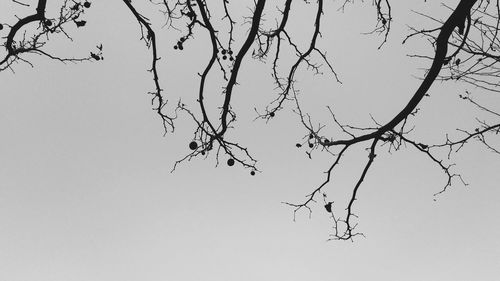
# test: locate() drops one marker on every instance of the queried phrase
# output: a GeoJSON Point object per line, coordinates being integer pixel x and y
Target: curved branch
{"type": "Point", "coordinates": [39, 16]}
{"type": "Point", "coordinates": [257, 14]}
{"type": "Point", "coordinates": [168, 121]}
{"type": "Point", "coordinates": [456, 19]}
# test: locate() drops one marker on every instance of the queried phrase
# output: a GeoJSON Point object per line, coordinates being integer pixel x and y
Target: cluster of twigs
{"type": "Point", "coordinates": [18, 43]}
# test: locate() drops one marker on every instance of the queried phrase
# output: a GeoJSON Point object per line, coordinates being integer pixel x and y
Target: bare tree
{"type": "Point", "coordinates": [466, 48]}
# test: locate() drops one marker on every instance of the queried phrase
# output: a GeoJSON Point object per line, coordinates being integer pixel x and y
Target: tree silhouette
{"type": "Point", "coordinates": [465, 46]}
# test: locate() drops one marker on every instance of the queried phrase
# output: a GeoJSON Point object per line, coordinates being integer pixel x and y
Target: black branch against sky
{"type": "Point", "coordinates": [466, 48]}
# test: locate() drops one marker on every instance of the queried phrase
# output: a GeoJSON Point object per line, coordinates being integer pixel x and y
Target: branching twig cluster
{"type": "Point", "coordinates": [22, 39]}
{"type": "Point", "coordinates": [393, 132]}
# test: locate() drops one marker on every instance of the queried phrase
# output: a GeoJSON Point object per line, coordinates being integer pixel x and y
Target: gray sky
{"type": "Point", "coordinates": [86, 191]}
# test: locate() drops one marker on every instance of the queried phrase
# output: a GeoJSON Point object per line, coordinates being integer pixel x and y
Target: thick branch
{"type": "Point", "coordinates": [456, 19]}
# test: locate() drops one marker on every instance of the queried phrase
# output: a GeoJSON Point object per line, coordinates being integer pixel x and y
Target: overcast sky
{"type": "Point", "coordinates": [86, 191]}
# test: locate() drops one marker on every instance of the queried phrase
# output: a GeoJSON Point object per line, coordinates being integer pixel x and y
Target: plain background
{"type": "Point", "coordinates": [86, 191]}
